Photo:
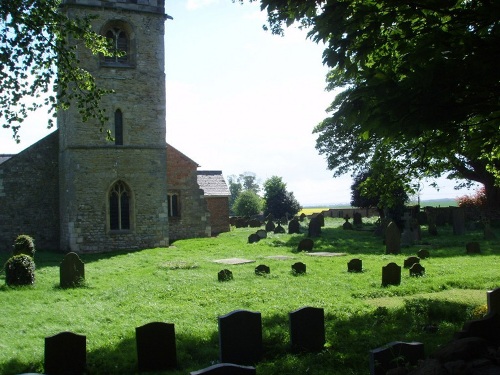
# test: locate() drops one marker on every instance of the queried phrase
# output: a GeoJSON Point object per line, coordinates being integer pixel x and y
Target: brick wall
{"type": "Point", "coordinates": [219, 214]}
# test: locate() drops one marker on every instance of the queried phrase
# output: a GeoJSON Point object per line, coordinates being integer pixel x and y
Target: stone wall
{"type": "Point", "coordinates": [219, 214]}
{"type": "Point", "coordinates": [29, 195]}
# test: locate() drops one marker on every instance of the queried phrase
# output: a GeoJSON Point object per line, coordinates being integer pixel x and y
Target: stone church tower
{"type": "Point", "coordinates": [113, 194]}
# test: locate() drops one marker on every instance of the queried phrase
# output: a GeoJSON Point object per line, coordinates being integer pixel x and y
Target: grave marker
{"type": "Point", "coordinates": [314, 229]}
{"type": "Point", "coordinates": [253, 238]}
{"type": "Point", "coordinates": [305, 244]}
{"type": "Point", "coordinates": [417, 270]}
{"type": "Point", "coordinates": [392, 239]}
{"type": "Point", "coordinates": [355, 265]}
{"type": "Point", "coordinates": [347, 225]}
{"type": "Point", "coordinates": [270, 226]}
{"type": "Point", "coordinates": [493, 300]}
{"type": "Point", "coordinates": [298, 268]}
{"type": "Point", "coordinates": [225, 275]}
{"type": "Point", "coordinates": [423, 254]}
{"type": "Point", "coordinates": [65, 353]}
{"type": "Point", "coordinates": [156, 348]}
{"type": "Point", "coordinates": [71, 271]}
{"type": "Point", "coordinates": [294, 226]}
{"type": "Point", "coordinates": [458, 217]}
{"type": "Point", "coordinates": [391, 274]}
{"type": "Point", "coordinates": [357, 220]}
{"type": "Point", "coordinates": [279, 229]}
{"type": "Point", "coordinates": [262, 269]}
{"type": "Point", "coordinates": [307, 329]}
{"type": "Point", "coordinates": [262, 233]}
{"type": "Point", "coordinates": [410, 261]}
{"type": "Point", "coordinates": [395, 354]}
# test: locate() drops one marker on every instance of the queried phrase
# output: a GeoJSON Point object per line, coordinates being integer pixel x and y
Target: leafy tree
{"type": "Point", "coordinates": [278, 201]}
{"type": "Point", "coordinates": [246, 181]}
{"type": "Point", "coordinates": [235, 189]}
{"type": "Point", "coordinates": [39, 65]}
{"type": "Point", "coordinates": [419, 78]}
{"type": "Point", "coordinates": [248, 203]}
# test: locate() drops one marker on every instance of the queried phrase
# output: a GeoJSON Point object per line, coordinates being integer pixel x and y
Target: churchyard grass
{"type": "Point", "coordinates": [124, 290]}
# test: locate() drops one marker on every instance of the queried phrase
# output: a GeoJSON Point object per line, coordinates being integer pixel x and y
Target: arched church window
{"type": "Point", "coordinates": [119, 44]}
{"type": "Point", "coordinates": [119, 207]}
{"type": "Point", "coordinates": [118, 128]}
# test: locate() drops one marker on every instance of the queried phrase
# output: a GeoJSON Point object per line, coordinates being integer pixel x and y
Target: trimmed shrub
{"type": "Point", "coordinates": [20, 270]}
{"type": "Point", "coordinates": [24, 244]}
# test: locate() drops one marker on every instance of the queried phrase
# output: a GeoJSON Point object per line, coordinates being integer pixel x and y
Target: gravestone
{"type": "Point", "coordinates": [279, 229]}
{"type": "Point", "coordinates": [458, 217]}
{"type": "Point", "coordinates": [410, 261]}
{"type": "Point", "coordinates": [307, 329]}
{"type": "Point", "coordinates": [473, 248]}
{"type": "Point", "coordinates": [431, 221]}
{"type": "Point", "coordinates": [417, 270]}
{"type": "Point", "coordinates": [298, 268]}
{"type": "Point", "coordinates": [423, 254]}
{"type": "Point", "coordinates": [392, 239]}
{"type": "Point", "coordinates": [226, 369]}
{"type": "Point", "coordinates": [395, 354]}
{"type": "Point", "coordinates": [407, 235]}
{"type": "Point", "coordinates": [347, 225]}
{"type": "Point", "coordinates": [302, 216]}
{"type": "Point", "coordinates": [314, 229]}
{"type": "Point", "coordinates": [156, 348]}
{"type": "Point", "coordinates": [294, 226]}
{"type": "Point", "coordinates": [65, 353]}
{"type": "Point", "coordinates": [270, 226]}
{"type": "Point", "coordinates": [391, 274]}
{"type": "Point", "coordinates": [357, 221]}
{"type": "Point", "coordinates": [241, 223]}
{"type": "Point", "coordinates": [253, 238]}
{"type": "Point", "coordinates": [493, 301]}
{"type": "Point", "coordinates": [240, 337]}
{"type": "Point", "coordinates": [262, 269]}
{"type": "Point", "coordinates": [321, 219]}
{"type": "Point", "coordinates": [225, 275]}
{"type": "Point", "coordinates": [262, 233]}
{"type": "Point", "coordinates": [71, 271]}
{"type": "Point", "coordinates": [355, 265]}
{"type": "Point", "coordinates": [416, 230]}
{"type": "Point", "coordinates": [305, 244]}
{"type": "Point", "coordinates": [254, 223]}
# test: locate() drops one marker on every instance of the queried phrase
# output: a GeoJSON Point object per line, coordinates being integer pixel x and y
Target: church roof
{"type": "Point", "coordinates": [213, 184]}
{"type": "Point", "coordinates": [5, 157]}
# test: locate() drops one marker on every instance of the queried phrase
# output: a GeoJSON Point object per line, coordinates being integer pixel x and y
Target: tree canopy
{"type": "Point", "coordinates": [39, 66]}
{"type": "Point", "coordinates": [419, 79]}
{"type": "Point", "coordinates": [277, 200]}
{"type": "Point", "coordinates": [248, 203]}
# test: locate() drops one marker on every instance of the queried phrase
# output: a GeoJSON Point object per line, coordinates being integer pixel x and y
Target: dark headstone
{"type": "Point", "coordinates": [305, 244]}
{"type": "Point", "coordinates": [262, 233]}
{"type": "Point", "coordinates": [356, 219]}
{"type": "Point", "coordinates": [307, 329]}
{"type": "Point", "coordinates": [493, 300]}
{"type": "Point", "coordinates": [270, 226]}
{"type": "Point", "coordinates": [225, 275]}
{"type": "Point", "coordinates": [355, 265]}
{"type": "Point", "coordinates": [423, 254]}
{"type": "Point", "coordinates": [314, 229]}
{"type": "Point", "coordinates": [395, 354]}
{"type": "Point", "coordinates": [71, 271]}
{"type": "Point", "coordinates": [253, 238]}
{"type": "Point", "coordinates": [226, 369]}
{"type": "Point", "coordinates": [262, 269]}
{"type": "Point", "coordinates": [410, 261]}
{"type": "Point", "coordinates": [254, 223]}
{"type": "Point", "coordinates": [391, 274]}
{"type": "Point", "coordinates": [416, 230]}
{"type": "Point", "coordinates": [486, 328]}
{"type": "Point", "coordinates": [321, 219]}
{"type": "Point", "coordinates": [294, 226]}
{"type": "Point", "coordinates": [458, 216]}
{"type": "Point", "coordinates": [241, 223]}
{"type": "Point", "coordinates": [417, 270]}
{"type": "Point", "coordinates": [279, 229]}
{"type": "Point", "coordinates": [298, 268]}
{"type": "Point", "coordinates": [65, 353]}
{"type": "Point", "coordinates": [156, 348]}
{"type": "Point", "coordinates": [472, 248]}
{"type": "Point", "coordinates": [240, 337]}
{"type": "Point", "coordinates": [302, 216]}
{"type": "Point", "coordinates": [347, 225]}
{"type": "Point", "coordinates": [392, 239]}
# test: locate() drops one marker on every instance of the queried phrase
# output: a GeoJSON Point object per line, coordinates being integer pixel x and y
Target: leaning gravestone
{"type": "Point", "coordinates": [226, 369]}
{"type": "Point", "coordinates": [423, 254]}
{"type": "Point", "coordinates": [65, 353]}
{"type": "Point", "coordinates": [355, 265]}
{"type": "Point", "coordinates": [305, 244]}
{"type": "Point", "coordinates": [225, 275]}
{"type": "Point", "coordinates": [314, 229]}
{"type": "Point", "coordinates": [262, 233]}
{"type": "Point", "coordinates": [395, 354]}
{"type": "Point", "coordinates": [391, 274]}
{"type": "Point", "coordinates": [240, 337]}
{"type": "Point", "coordinates": [458, 217]}
{"type": "Point", "coordinates": [307, 329]}
{"type": "Point", "coordinates": [253, 238]}
{"type": "Point", "coordinates": [473, 248]}
{"type": "Point", "coordinates": [417, 270]}
{"type": "Point", "coordinates": [71, 271]}
{"type": "Point", "coordinates": [262, 269]}
{"type": "Point", "coordinates": [392, 239]}
{"type": "Point", "coordinates": [156, 348]}
{"type": "Point", "coordinates": [298, 268]}
{"type": "Point", "coordinates": [294, 226]}
{"type": "Point", "coordinates": [410, 261]}
{"type": "Point", "coordinates": [270, 226]}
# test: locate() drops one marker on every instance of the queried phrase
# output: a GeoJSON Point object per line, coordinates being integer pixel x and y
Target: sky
{"type": "Point", "coordinates": [240, 99]}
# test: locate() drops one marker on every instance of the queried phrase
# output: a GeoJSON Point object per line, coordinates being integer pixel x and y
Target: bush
{"type": "Point", "coordinates": [24, 244]}
{"type": "Point", "coordinates": [20, 270]}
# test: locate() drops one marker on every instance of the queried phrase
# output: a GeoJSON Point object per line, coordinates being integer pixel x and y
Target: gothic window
{"type": "Point", "coordinates": [119, 207]}
{"type": "Point", "coordinates": [173, 205]}
{"type": "Point", "coordinates": [120, 44]}
{"type": "Point", "coordinates": [118, 128]}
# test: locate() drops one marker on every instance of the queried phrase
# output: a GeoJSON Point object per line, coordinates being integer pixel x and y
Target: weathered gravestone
{"type": "Point", "coordinates": [321, 219]}
{"type": "Point", "coordinates": [71, 271]}
{"type": "Point", "coordinates": [347, 225]}
{"type": "Point", "coordinates": [307, 329]}
{"type": "Point", "coordinates": [423, 254]}
{"type": "Point", "coordinates": [262, 233]}
{"type": "Point", "coordinates": [407, 235]}
{"type": "Point", "coordinates": [241, 223]}
{"type": "Point", "coordinates": [314, 229]}
{"type": "Point", "coordinates": [302, 216]}
{"type": "Point", "coordinates": [298, 268]}
{"type": "Point", "coordinates": [355, 265]}
{"type": "Point", "coordinates": [226, 369]}
{"type": "Point", "coordinates": [458, 217]}
{"type": "Point", "coordinates": [225, 275]}
{"type": "Point", "coordinates": [156, 348]}
{"type": "Point", "coordinates": [270, 226]}
{"type": "Point", "coordinates": [410, 261]}
{"type": "Point", "coordinates": [493, 301]}
{"type": "Point", "coordinates": [395, 354]}
{"type": "Point", "coordinates": [392, 239]}
{"type": "Point", "coordinates": [473, 248]}
{"type": "Point", "coordinates": [253, 238]}
{"type": "Point", "coordinates": [294, 226]}
{"type": "Point", "coordinates": [240, 337]}
{"type": "Point", "coordinates": [65, 353]}
{"type": "Point", "coordinates": [391, 274]}
{"type": "Point", "coordinates": [417, 270]}
{"type": "Point", "coordinates": [262, 269]}
{"type": "Point", "coordinates": [416, 230]}
{"type": "Point", "coordinates": [305, 244]}
{"type": "Point", "coordinates": [357, 221]}
{"type": "Point", "coordinates": [254, 223]}
{"type": "Point", "coordinates": [279, 229]}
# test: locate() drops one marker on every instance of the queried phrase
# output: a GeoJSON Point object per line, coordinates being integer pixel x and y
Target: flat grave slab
{"type": "Point", "coordinates": [280, 257]}
{"type": "Point", "coordinates": [326, 254]}
{"type": "Point", "coordinates": [234, 261]}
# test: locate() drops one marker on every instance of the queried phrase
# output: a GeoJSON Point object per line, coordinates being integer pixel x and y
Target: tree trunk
{"type": "Point", "coordinates": [492, 197]}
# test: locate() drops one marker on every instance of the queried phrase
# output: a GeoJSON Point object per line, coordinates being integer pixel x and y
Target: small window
{"type": "Point", "coordinates": [119, 207]}
{"type": "Point", "coordinates": [120, 44]}
{"type": "Point", "coordinates": [118, 128]}
{"type": "Point", "coordinates": [173, 205]}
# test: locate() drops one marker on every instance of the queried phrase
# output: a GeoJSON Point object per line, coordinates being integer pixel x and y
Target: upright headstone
{"type": "Point", "coordinates": [321, 219]}
{"type": "Point", "coordinates": [298, 268]}
{"type": "Point", "coordinates": [416, 230]}
{"type": "Point", "coordinates": [493, 301]}
{"type": "Point", "coordinates": [65, 353]}
{"type": "Point", "coordinates": [294, 226]}
{"type": "Point", "coordinates": [314, 229]}
{"type": "Point", "coordinates": [431, 221]}
{"type": "Point", "coordinates": [355, 265]}
{"type": "Point", "coordinates": [279, 229]}
{"type": "Point", "coordinates": [356, 219]}
{"type": "Point", "coordinates": [458, 217]}
{"type": "Point", "coordinates": [391, 274]}
{"type": "Point", "coordinates": [395, 354]}
{"type": "Point", "coordinates": [225, 275]}
{"type": "Point", "coordinates": [305, 244]}
{"type": "Point", "coordinates": [262, 233]}
{"type": "Point", "coordinates": [71, 271]}
{"type": "Point", "coordinates": [410, 261]}
{"type": "Point", "coordinates": [302, 216]}
{"type": "Point", "coordinates": [417, 270]}
{"type": "Point", "coordinates": [262, 269]}
{"type": "Point", "coordinates": [254, 223]}
{"type": "Point", "coordinates": [253, 238]}
{"type": "Point", "coordinates": [156, 348]}
{"type": "Point", "coordinates": [347, 225]}
{"type": "Point", "coordinates": [240, 337]}
{"type": "Point", "coordinates": [423, 254]}
{"type": "Point", "coordinates": [226, 369]}
{"type": "Point", "coordinates": [270, 226]}
{"type": "Point", "coordinates": [307, 329]}
{"type": "Point", "coordinates": [407, 235]}
{"type": "Point", "coordinates": [392, 239]}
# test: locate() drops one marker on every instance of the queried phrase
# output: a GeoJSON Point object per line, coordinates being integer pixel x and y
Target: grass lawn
{"type": "Point", "coordinates": [124, 290]}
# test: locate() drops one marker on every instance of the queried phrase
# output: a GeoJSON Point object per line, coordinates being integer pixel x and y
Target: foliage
{"type": "Point", "coordinates": [246, 181]}
{"type": "Point", "coordinates": [24, 244]}
{"type": "Point", "coordinates": [476, 200]}
{"type": "Point", "coordinates": [278, 201]}
{"type": "Point", "coordinates": [40, 66]}
{"type": "Point", "coordinates": [20, 270]}
{"type": "Point", "coordinates": [248, 203]}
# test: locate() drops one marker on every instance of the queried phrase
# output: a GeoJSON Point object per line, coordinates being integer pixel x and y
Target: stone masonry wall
{"type": "Point", "coordinates": [29, 202]}
{"type": "Point", "coordinates": [219, 214]}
